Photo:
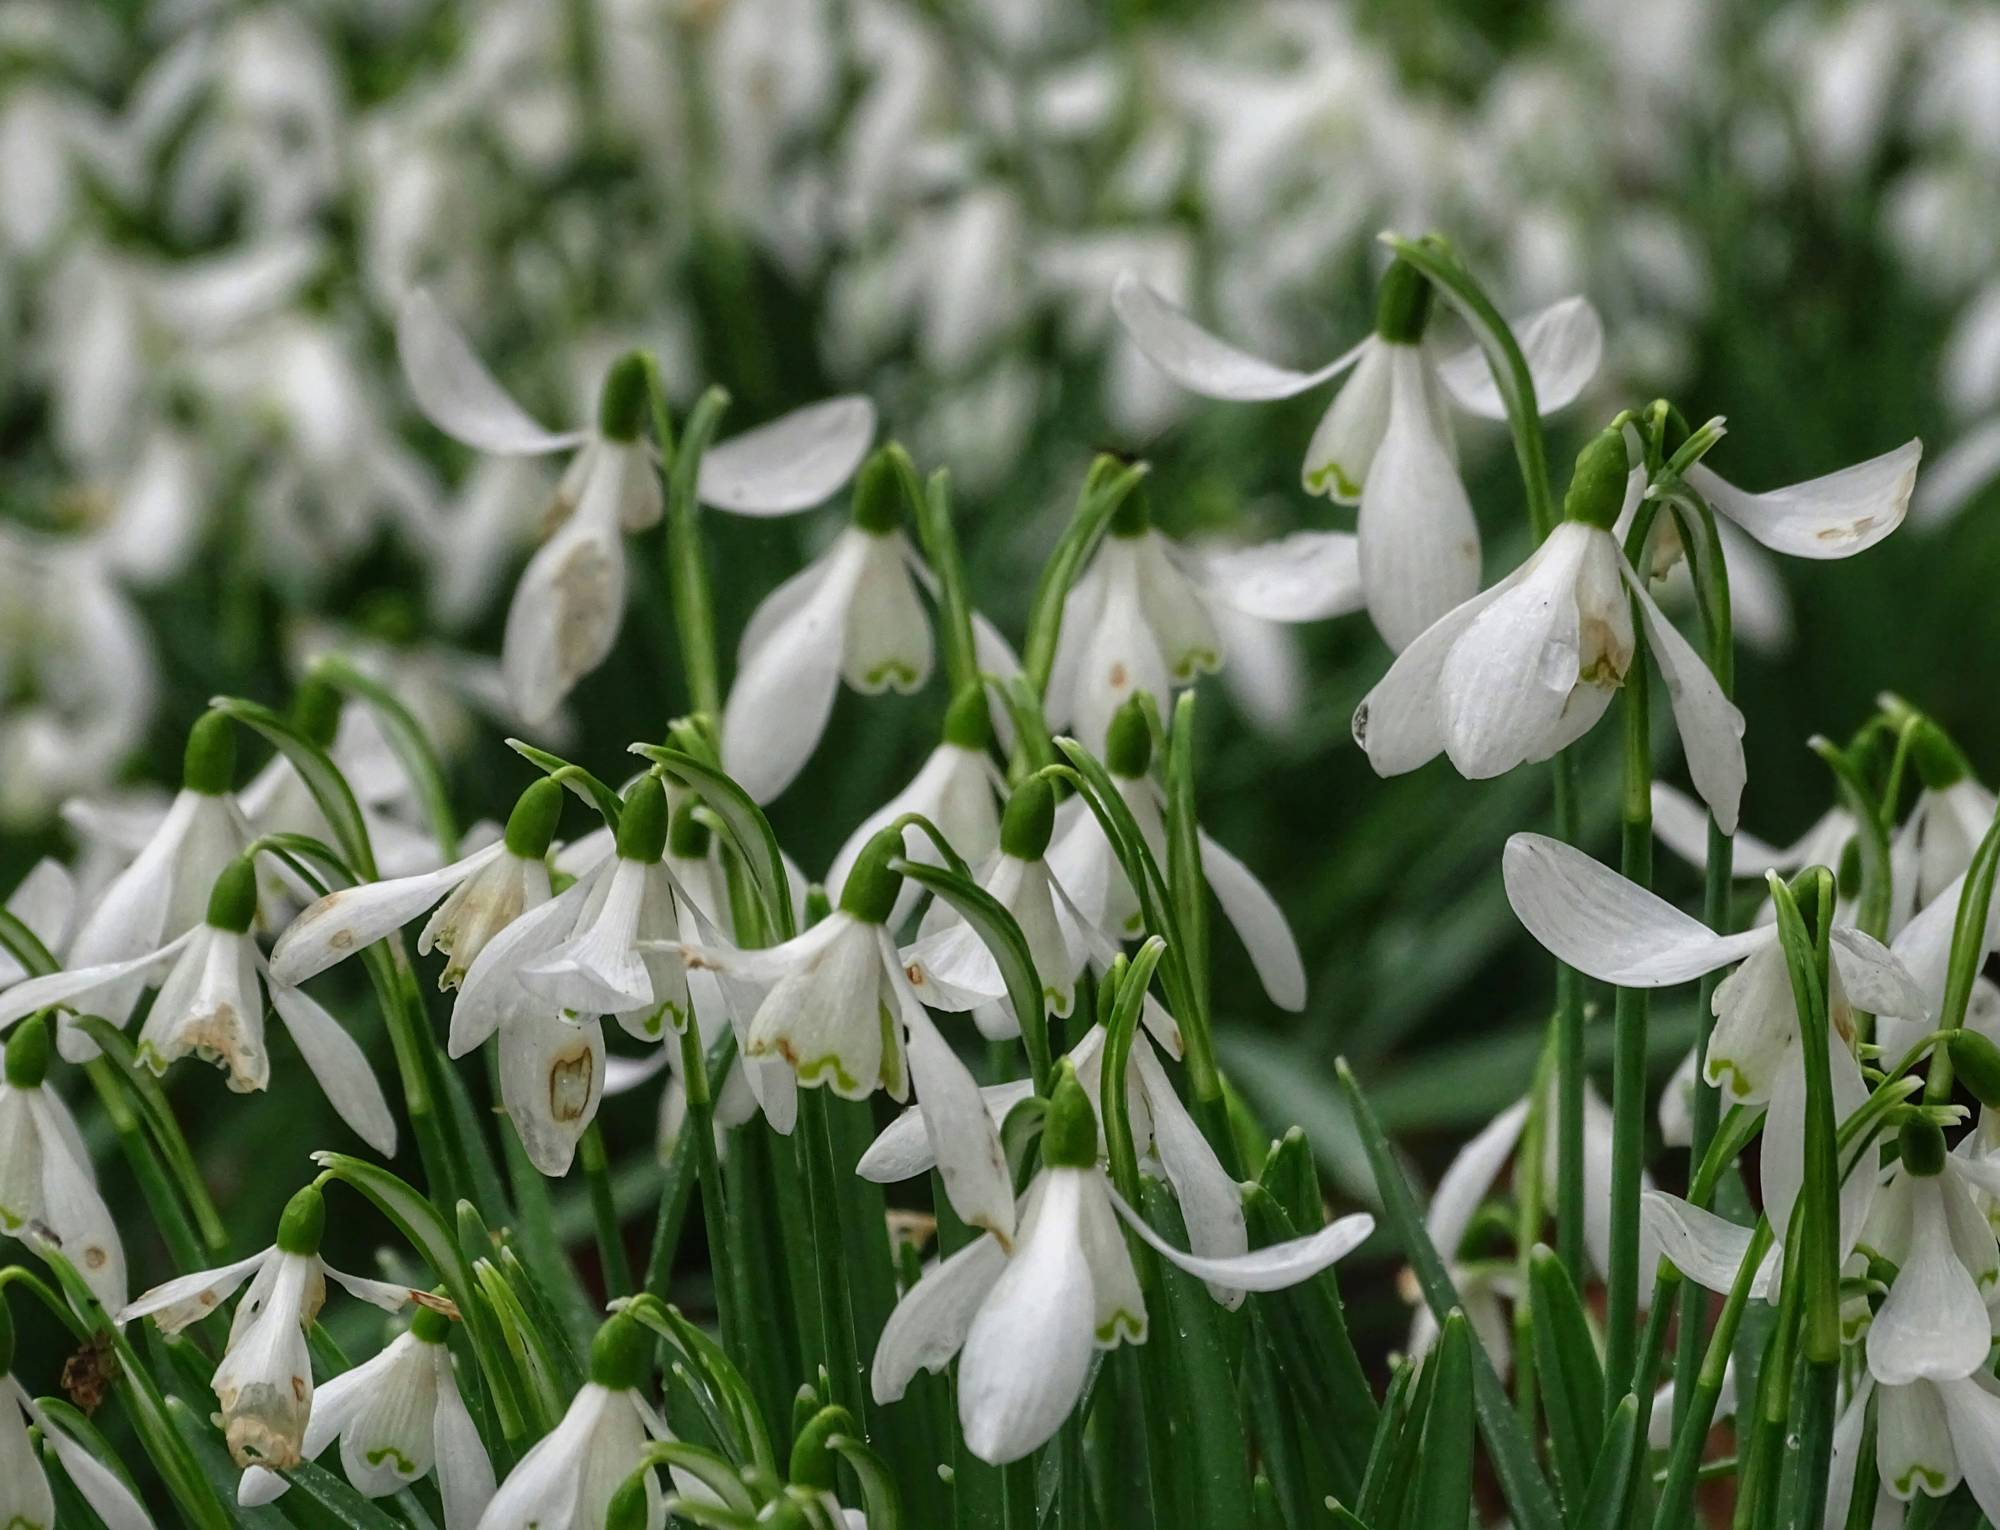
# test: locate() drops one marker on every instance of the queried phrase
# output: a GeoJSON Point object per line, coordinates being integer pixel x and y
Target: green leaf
{"type": "Point", "coordinates": [580, 781]}
{"type": "Point", "coordinates": [1105, 487]}
{"type": "Point", "coordinates": [79, 1428]}
{"type": "Point", "coordinates": [1444, 1485]}
{"type": "Point", "coordinates": [1571, 1375]}
{"type": "Point", "coordinates": [1189, 888]}
{"type": "Point", "coordinates": [339, 1504]}
{"type": "Point", "coordinates": [880, 1501]}
{"type": "Point", "coordinates": [1388, 1429]}
{"type": "Point", "coordinates": [931, 504]}
{"type": "Point", "coordinates": [1002, 936]}
{"type": "Point", "coordinates": [745, 1435]}
{"type": "Point", "coordinates": [411, 745]}
{"type": "Point", "coordinates": [747, 826]}
{"type": "Point", "coordinates": [1512, 1451]}
{"type": "Point", "coordinates": [710, 1469]}
{"type": "Point", "coordinates": [322, 777]}
{"type": "Point", "coordinates": [1611, 1479]}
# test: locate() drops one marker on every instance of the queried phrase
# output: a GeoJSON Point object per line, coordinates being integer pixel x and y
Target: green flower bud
{"type": "Point", "coordinates": [232, 902]}
{"type": "Point", "coordinates": [430, 1326]}
{"type": "Point", "coordinates": [628, 1509]}
{"type": "Point", "coordinates": [28, 1054]}
{"type": "Point", "coordinates": [621, 404]}
{"type": "Point", "coordinates": [967, 722]}
{"type": "Point", "coordinates": [316, 710]}
{"type": "Point", "coordinates": [1597, 488]}
{"type": "Point", "coordinates": [1938, 760]}
{"type": "Point", "coordinates": [532, 824]}
{"type": "Point", "coordinates": [1975, 1062]}
{"type": "Point", "coordinates": [303, 1224]}
{"type": "Point", "coordinates": [813, 1461]}
{"type": "Point", "coordinates": [871, 888]}
{"type": "Point", "coordinates": [209, 765]}
{"type": "Point", "coordinates": [621, 1354]}
{"type": "Point", "coordinates": [1030, 820]}
{"type": "Point", "coordinates": [1922, 1146]}
{"type": "Point", "coordinates": [1128, 742]}
{"type": "Point", "coordinates": [878, 494]}
{"type": "Point", "coordinates": [1133, 516]}
{"type": "Point", "coordinates": [688, 839]}
{"type": "Point", "coordinates": [642, 827]}
{"type": "Point", "coordinates": [1402, 304]}
{"type": "Point", "coordinates": [1069, 1133]}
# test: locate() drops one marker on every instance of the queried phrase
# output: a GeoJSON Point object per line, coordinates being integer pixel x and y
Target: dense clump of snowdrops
{"type": "Point", "coordinates": [1118, 1305]}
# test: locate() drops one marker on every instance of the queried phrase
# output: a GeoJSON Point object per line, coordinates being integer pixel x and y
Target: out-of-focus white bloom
{"type": "Point", "coordinates": [48, 1192]}
{"type": "Point", "coordinates": [24, 1488]}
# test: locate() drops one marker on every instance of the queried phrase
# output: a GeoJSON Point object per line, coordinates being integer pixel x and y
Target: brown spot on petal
{"type": "Point", "coordinates": [1118, 676]}
{"type": "Point", "coordinates": [570, 1080]}
{"type": "Point", "coordinates": [342, 940]}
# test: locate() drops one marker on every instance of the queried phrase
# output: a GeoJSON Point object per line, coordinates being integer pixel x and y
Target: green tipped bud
{"type": "Point", "coordinates": [6, 1336]}
{"type": "Point", "coordinates": [1134, 515]}
{"type": "Point", "coordinates": [869, 893]}
{"type": "Point", "coordinates": [642, 827]}
{"type": "Point", "coordinates": [1938, 761]}
{"type": "Point", "coordinates": [621, 403]}
{"type": "Point", "coordinates": [1597, 488]}
{"type": "Point", "coordinates": [967, 721]}
{"type": "Point", "coordinates": [1402, 304]}
{"type": "Point", "coordinates": [813, 1460]}
{"type": "Point", "coordinates": [303, 1224]}
{"type": "Point", "coordinates": [629, 1508]}
{"type": "Point", "coordinates": [532, 824]}
{"type": "Point", "coordinates": [209, 765]}
{"type": "Point", "coordinates": [430, 1326]}
{"type": "Point", "coordinates": [1922, 1147]}
{"type": "Point", "coordinates": [232, 903]}
{"type": "Point", "coordinates": [1292, 1179]}
{"type": "Point", "coordinates": [1128, 742]}
{"type": "Point", "coordinates": [878, 494]}
{"type": "Point", "coordinates": [1975, 1062]}
{"type": "Point", "coordinates": [28, 1054]}
{"type": "Point", "coordinates": [689, 838]}
{"type": "Point", "coordinates": [621, 1354]}
{"type": "Point", "coordinates": [316, 710]}
{"type": "Point", "coordinates": [1030, 820]}
{"type": "Point", "coordinates": [1069, 1132]}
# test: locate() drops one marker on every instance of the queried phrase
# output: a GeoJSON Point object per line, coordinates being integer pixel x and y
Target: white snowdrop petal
{"type": "Point", "coordinates": [1972, 1410]}
{"type": "Point", "coordinates": [337, 1401]}
{"type": "Point", "coordinates": [1399, 723]}
{"type": "Point", "coordinates": [1304, 577]}
{"type": "Point", "coordinates": [1704, 1247]}
{"type": "Point", "coordinates": [199, 1294]}
{"type": "Point", "coordinates": [564, 618]}
{"type": "Point", "coordinates": [1469, 1178]}
{"type": "Point", "coordinates": [1971, 463]}
{"type": "Point", "coordinates": [551, 1083]}
{"type": "Point", "coordinates": [1259, 923]}
{"type": "Point", "coordinates": [456, 392]}
{"type": "Point", "coordinates": [1589, 916]}
{"type": "Point", "coordinates": [340, 1065]}
{"type": "Point", "coordinates": [343, 922]}
{"type": "Point", "coordinates": [386, 1294]}
{"type": "Point", "coordinates": [1710, 725]}
{"type": "Point", "coordinates": [1201, 362]}
{"type": "Point", "coordinates": [1834, 516]}
{"type": "Point", "coordinates": [99, 1486]}
{"type": "Point", "coordinates": [1562, 345]}
{"type": "Point", "coordinates": [65, 989]}
{"type": "Point", "coordinates": [1913, 1442]}
{"type": "Point", "coordinates": [1933, 1326]}
{"type": "Point", "coordinates": [1874, 979]}
{"type": "Point", "coordinates": [792, 463]}
{"type": "Point", "coordinates": [929, 1324]}
{"type": "Point", "coordinates": [75, 1211]}
{"type": "Point", "coordinates": [1211, 1202]}
{"type": "Point", "coordinates": [1271, 1268]}
{"type": "Point", "coordinates": [964, 1143]}
{"type": "Point", "coordinates": [903, 1150]}
{"type": "Point", "coordinates": [465, 1475]}
{"type": "Point", "coordinates": [542, 1489]}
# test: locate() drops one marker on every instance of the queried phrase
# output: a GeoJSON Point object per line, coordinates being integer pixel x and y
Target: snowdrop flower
{"type": "Point", "coordinates": [1028, 1321]}
{"type": "Point", "coordinates": [1950, 817]}
{"type": "Point", "coordinates": [47, 1189]}
{"type": "Point", "coordinates": [1929, 1437]}
{"type": "Point", "coordinates": [1923, 946]}
{"type": "Point", "coordinates": [264, 1383]}
{"type": "Point", "coordinates": [160, 895]}
{"type": "Point", "coordinates": [45, 903]}
{"type": "Point", "coordinates": [1144, 617]}
{"type": "Point", "coordinates": [951, 967]}
{"type": "Point", "coordinates": [957, 788]}
{"type": "Point", "coordinates": [398, 1418]}
{"type": "Point", "coordinates": [476, 897]}
{"type": "Point", "coordinates": [211, 1004]}
{"type": "Point", "coordinates": [567, 1481]}
{"type": "Point", "coordinates": [568, 606]}
{"type": "Point", "coordinates": [1386, 442]}
{"type": "Point", "coordinates": [1082, 862]}
{"type": "Point", "coordinates": [1522, 670]}
{"type": "Point", "coordinates": [1833, 516]}
{"type": "Point", "coordinates": [837, 1006]}
{"type": "Point", "coordinates": [1681, 824]}
{"type": "Point", "coordinates": [25, 1498]}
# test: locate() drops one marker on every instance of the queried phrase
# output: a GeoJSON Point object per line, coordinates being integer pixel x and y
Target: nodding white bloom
{"type": "Point", "coordinates": [957, 788]}
{"type": "Point", "coordinates": [45, 902]}
{"type": "Point", "coordinates": [211, 1004]}
{"type": "Point", "coordinates": [264, 1383]}
{"type": "Point", "coordinates": [1929, 1437]}
{"type": "Point", "coordinates": [476, 897]}
{"type": "Point", "coordinates": [1082, 861]}
{"type": "Point", "coordinates": [1527, 667]}
{"type": "Point", "coordinates": [1935, 1323]}
{"type": "Point", "coordinates": [1146, 615]}
{"type": "Point", "coordinates": [1028, 1320]}
{"type": "Point", "coordinates": [398, 1418]}
{"type": "Point", "coordinates": [567, 1481]}
{"type": "Point", "coordinates": [160, 895]}
{"type": "Point", "coordinates": [837, 1006]}
{"type": "Point", "coordinates": [951, 968]}
{"type": "Point", "coordinates": [1923, 946]}
{"type": "Point", "coordinates": [1681, 824]}
{"type": "Point", "coordinates": [25, 1499]}
{"type": "Point", "coordinates": [1169, 1144]}
{"type": "Point", "coordinates": [1463, 1189]}
{"type": "Point", "coordinates": [571, 599]}
{"type": "Point", "coordinates": [1386, 442]}
{"type": "Point", "coordinates": [48, 1192]}
{"type": "Point", "coordinates": [1951, 815]}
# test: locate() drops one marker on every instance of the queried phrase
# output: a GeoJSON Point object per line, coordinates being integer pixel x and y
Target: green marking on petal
{"type": "Point", "coordinates": [892, 672]}
{"type": "Point", "coordinates": [403, 1465]}
{"type": "Point", "coordinates": [814, 1070]}
{"type": "Point", "coordinates": [892, 1054]}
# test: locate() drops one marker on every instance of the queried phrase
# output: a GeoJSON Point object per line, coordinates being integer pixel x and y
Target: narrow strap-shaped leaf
{"type": "Point", "coordinates": [607, 802]}
{"type": "Point", "coordinates": [880, 1501]}
{"type": "Point", "coordinates": [1186, 884]}
{"type": "Point", "coordinates": [1389, 1498]}
{"type": "Point", "coordinates": [407, 738]}
{"type": "Point", "coordinates": [1512, 1451]}
{"type": "Point", "coordinates": [338, 1504]}
{"type": "Point", "coordinates": [707, 1467]}
{"type": "Point", "coordinates": [747, 826]}
{"type": "Point", "coordinates": [527, 1343]}
{"type": "Point", "coordinates": [1611, 1478]}
{"type": "Point", "coordinates": [1572, 1378]}
{"type": "Point", "coordinates": [1105, 488]}
{"type": "Point", "coordinates": [1388, 1428]}
{"type": "Point", "coordinates": [1444, 1485]}
{"type": "Point", "coordinates": [322, 778]}
{"type": "Point", "coordinates": [744, 1433]}
{"type": "Point", "coordinates": [209, 1460]}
